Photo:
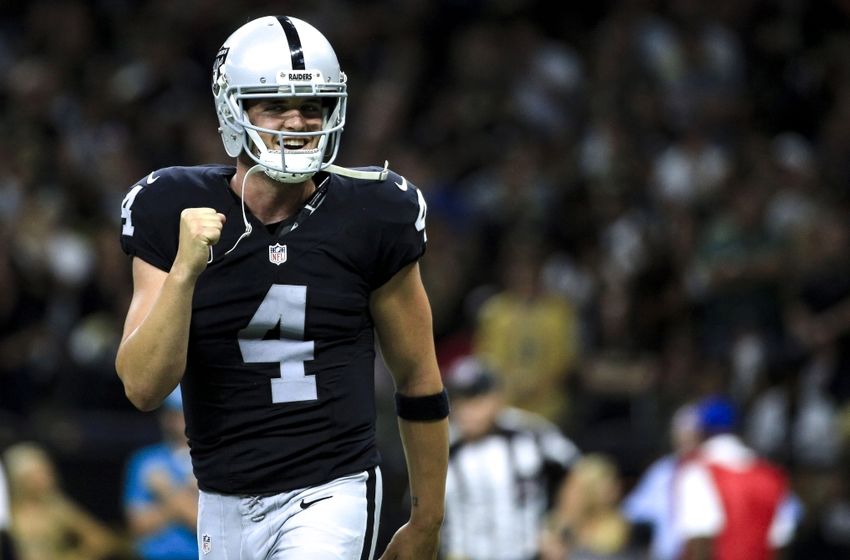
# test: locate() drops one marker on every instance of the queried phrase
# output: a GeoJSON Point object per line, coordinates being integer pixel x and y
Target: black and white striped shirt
{"type": "Point", "coordinates": [500, 486]}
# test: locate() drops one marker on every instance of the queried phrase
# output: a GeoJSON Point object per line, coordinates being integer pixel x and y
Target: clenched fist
{"type": "Point", "coordinates": [200, 228]}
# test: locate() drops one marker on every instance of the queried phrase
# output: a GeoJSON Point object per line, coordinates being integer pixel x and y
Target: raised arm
{"type": "Point", "coordinates": [402, 317]}
{"type": "Point", "coordinates": [151, 358]}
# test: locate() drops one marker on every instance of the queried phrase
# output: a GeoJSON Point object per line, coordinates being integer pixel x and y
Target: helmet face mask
{"type": "Point", "coordinates": [247, 68]}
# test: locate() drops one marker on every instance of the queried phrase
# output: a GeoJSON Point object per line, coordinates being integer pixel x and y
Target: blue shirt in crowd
{"type": "Point", "coordinates": [175, 541]}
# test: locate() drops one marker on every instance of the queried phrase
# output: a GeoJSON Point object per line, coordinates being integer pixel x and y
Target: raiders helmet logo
{"type": "Point", "coordinates": [217, 64]}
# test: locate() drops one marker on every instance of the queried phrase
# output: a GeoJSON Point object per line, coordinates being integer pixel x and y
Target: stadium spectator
{"type": "Point", "coordinates": [505, 466]}
{"type": "Point", "coordinates": [818, 310]}
{"type": "Point", "coordinates": [737, 272]}
{"type": "Point", "coordinates": [651, 500]}
{"type": "Point", "coordinates": [586, 524]}
{"type": "Point", "coordinates": [46, 523]}
{"type": "Point", "coordinates": [729, 503]}
{"type": "Point", "coordinates": [527, 334]}
{"type": "Point", "coordinates": [161, 494]}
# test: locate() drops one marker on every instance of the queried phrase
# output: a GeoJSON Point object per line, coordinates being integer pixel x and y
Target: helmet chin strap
{"type": "Point", "coordinates": [330, 168]}
{"type": "Point", "coordinates": [357, 174]}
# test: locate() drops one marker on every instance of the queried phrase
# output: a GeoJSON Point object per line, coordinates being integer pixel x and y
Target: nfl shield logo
{"type": "Point", "coordinates": [277, 253]}
{"type": "Point", "coordinates": [206, 543]}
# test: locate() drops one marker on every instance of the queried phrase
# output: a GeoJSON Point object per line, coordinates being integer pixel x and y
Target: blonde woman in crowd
{"type": "Point", "coordinates": [587, 524]}
{"type": "Point", "coordinates": [45, 523]}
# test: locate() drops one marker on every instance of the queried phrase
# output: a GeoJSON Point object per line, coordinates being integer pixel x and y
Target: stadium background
{"type": "Point", "coordinates": [676, 171]}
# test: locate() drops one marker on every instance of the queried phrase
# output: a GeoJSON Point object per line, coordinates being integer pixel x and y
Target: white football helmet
{"type": "Point", "coordinates": [279, 57]}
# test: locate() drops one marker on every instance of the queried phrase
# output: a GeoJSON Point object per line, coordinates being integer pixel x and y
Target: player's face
{"type": "Point", "coordinates": [299, 114]}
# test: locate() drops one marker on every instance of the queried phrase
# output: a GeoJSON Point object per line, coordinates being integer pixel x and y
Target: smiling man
{"type": "Point", "coordinates": [259, 288]}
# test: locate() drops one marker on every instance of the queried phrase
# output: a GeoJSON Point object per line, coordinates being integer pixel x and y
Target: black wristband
{"type": "Point", "coordinates": [422, 409]}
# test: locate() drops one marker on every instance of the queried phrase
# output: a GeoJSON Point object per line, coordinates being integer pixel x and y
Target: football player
{"type": "Point", "coordinates": [259, 288]}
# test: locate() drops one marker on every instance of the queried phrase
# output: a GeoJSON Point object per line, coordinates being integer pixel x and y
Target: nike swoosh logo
{"type": "Point", "coordinates": [151, 179]}
{"type": "Point", "coordinates": [305, 504]}
{"type": "Point", "coordinates": [403, 184]}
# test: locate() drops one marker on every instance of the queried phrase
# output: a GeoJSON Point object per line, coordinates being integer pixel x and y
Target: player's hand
{"type": "Point", "coordinates": [413, 543]}
{"type": "Point", "coordinates": [200, 228]}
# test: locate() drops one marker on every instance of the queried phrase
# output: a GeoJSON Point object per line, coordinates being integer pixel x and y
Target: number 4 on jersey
{"type": "Point", "coordinates": [284, 306]}
{"type": "Point", "coordinates": [126, 212]}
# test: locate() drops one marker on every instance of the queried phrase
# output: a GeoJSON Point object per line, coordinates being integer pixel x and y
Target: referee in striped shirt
{"type": "Point", "coordinates": [505, 466]}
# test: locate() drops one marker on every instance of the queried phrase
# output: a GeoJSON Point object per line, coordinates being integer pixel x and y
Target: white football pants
{"type": "Point", "coordinates": [334, 521]}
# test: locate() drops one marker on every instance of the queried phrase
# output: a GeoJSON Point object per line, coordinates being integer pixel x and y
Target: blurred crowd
{"type": "Point", "coordinates": [632, 204]}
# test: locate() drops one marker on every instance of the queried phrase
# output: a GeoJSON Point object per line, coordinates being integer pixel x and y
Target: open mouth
{"type": "Point", "coordinates": [297, 145]}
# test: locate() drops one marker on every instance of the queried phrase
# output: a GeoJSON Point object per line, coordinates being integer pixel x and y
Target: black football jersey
{"type": "Point", "coordinates": [278, 391]}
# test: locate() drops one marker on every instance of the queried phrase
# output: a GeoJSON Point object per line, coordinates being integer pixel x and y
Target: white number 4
{"type": "Point", "coordinates": [284, 305]}
{"type": "Point", "coordinates": [126, 213]}
{"type": "Point", "coordinates": [423, 210]}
